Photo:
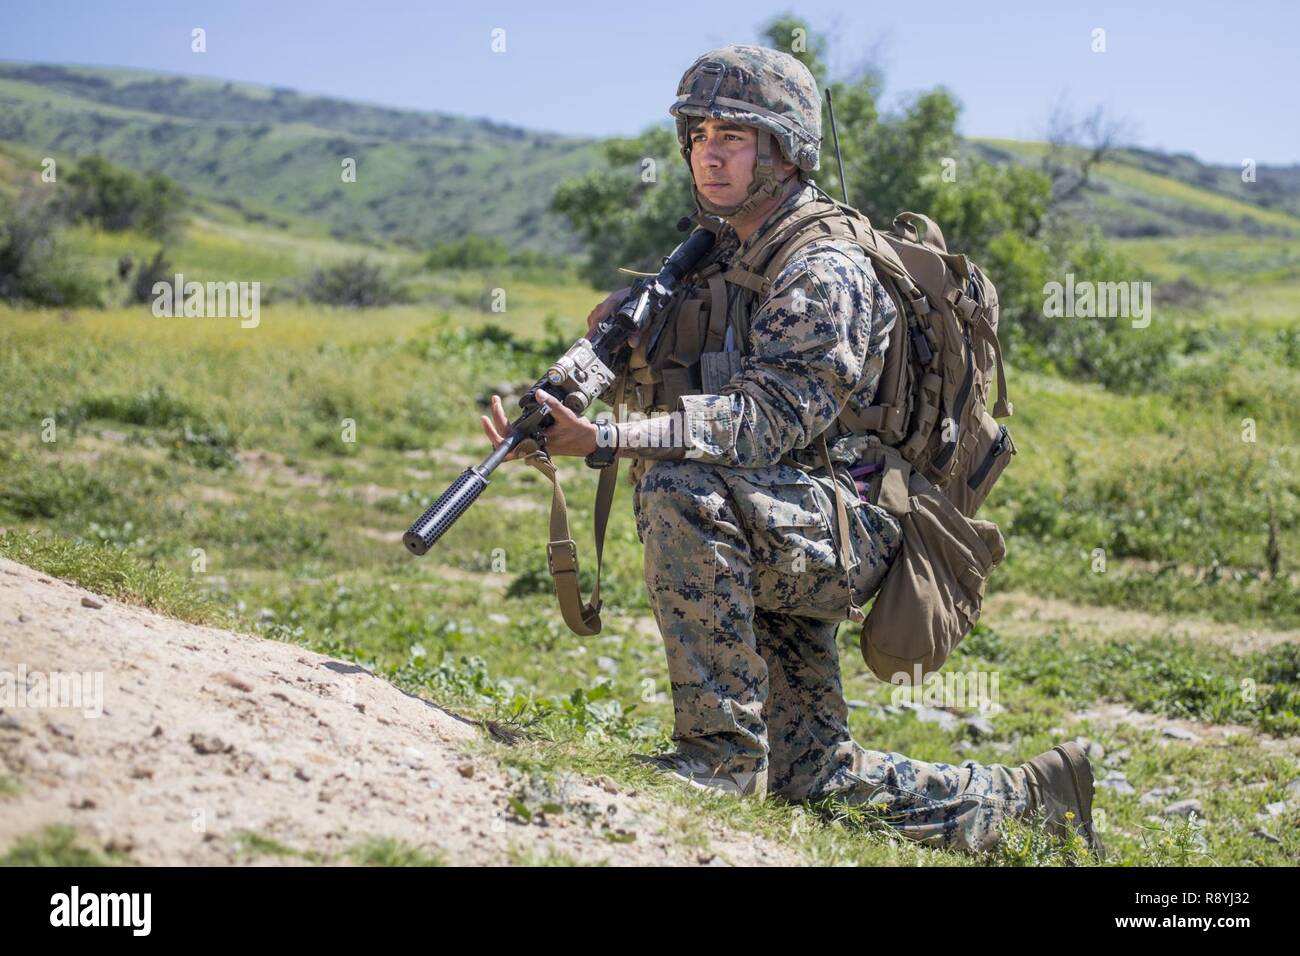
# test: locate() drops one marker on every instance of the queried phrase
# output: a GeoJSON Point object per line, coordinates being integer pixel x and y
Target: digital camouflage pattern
{"type": "Point", "coordinates": [754, 86]}
{"type": "Point", "coordinates": [740, 559]}
{"type": "Point", "coordinates": [741, 573]}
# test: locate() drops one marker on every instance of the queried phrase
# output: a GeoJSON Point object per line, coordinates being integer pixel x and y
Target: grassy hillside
{"type": "Point", "coordinates": [219, 243]}
{"type": "Point", "coordinates": [421, 177]}
{"type": "Point", "coordinates": [1274, 187]}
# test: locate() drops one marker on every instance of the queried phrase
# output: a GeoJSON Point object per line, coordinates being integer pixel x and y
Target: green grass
{"type": "Point", "coordinates": [113, 572]}
{"type": "Point", "coordinates": [59, 845]}
{"type": "Point", "coordinates": [375, 851]}
{"type": "Point", "coordinates": [825, 834]}
{"type": "Point", "coordinates": [1151, 478]}
{"type": "Point", "coordinates": [389, 852]}
{"type": "Point", "coordinates": [249, 846]}
{"type": "Point", "coordinates": [1176, 678]}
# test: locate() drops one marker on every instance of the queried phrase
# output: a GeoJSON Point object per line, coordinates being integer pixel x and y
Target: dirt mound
{"type": "Point", "coordinates": [180, 744]}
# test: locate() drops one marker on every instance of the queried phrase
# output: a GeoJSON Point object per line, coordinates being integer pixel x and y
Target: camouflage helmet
{"type": "Point", "coordinates": [754, 86]}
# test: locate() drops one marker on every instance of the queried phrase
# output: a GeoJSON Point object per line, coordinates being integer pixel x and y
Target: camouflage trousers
{"type": "Point", "coordinates": [740, 565]}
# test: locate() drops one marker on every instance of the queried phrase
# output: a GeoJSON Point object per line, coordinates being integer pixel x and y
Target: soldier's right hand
{"type": "Point", "coordinates": [602, 310]}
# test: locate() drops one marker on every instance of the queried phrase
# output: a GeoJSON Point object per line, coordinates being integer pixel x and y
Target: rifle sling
{"type": "Point", "coordinates": [583, 618]}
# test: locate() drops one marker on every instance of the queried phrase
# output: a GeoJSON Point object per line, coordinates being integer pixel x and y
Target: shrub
{"type": "Point", "coordinates": [481, 252]}
{"type": "Point", "coordinates": [1105, 349]}
{"type": "Point", "coordinates": [470, 252]}
{"type": "Point", "coordinates": [147, 274]}
{"type": "Point", "coordinates": [117, 199]}
{"type": "Point", "coordinates": [35, 266]}
{"type": "Point", "coordinates": [355, 283]}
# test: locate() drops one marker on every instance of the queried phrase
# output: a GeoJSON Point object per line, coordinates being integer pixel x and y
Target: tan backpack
{"type": "Point", "coordinates": [933, 444]}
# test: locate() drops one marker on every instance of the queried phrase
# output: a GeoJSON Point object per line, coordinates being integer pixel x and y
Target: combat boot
{"type": "Point", "coordinates": [700, 773]}
{"type": "Point", "coordinates": [1060, 780]}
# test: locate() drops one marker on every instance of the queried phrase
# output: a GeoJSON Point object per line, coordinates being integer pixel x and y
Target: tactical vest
{"type": "Point", "coordinates": [930, 400]}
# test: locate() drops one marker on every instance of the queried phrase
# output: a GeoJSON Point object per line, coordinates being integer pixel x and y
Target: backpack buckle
{"type": "Point", "coordinates": [920, 304]}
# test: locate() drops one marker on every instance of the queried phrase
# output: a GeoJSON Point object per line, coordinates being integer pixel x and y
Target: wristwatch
{"type": "Point", "coordinates": [606, 445]}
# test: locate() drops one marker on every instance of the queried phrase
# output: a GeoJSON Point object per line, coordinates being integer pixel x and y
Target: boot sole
{"type": "Point", "coordinates": [722, 785]}
{"type": "Point", "coordinates": [756, 787]}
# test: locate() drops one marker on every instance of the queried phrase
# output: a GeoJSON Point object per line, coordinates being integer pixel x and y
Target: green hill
{"type": "Point", "coordinates": [420, 177]}
{"type": "Point", "coordinates": [274, 156]}
{"type": "Point", "coordinates": [1140, 193]}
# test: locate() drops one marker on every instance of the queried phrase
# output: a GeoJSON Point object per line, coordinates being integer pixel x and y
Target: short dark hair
{"type": "Point", "coordinates": [725, 124]}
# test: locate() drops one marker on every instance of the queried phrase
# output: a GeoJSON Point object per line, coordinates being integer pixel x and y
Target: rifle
{"type": "Point", "coordinates": [577, 379]}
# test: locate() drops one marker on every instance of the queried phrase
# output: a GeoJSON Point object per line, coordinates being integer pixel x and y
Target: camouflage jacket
{"type": "Point", "coordinates": [815, 344]}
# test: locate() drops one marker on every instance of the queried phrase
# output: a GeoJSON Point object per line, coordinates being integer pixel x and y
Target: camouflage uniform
{"type": "Point", "coordinates": [741, 559]}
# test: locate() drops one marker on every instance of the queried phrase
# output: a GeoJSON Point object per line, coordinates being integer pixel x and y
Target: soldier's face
{"type": "Point", "coordinates": [722, 160]}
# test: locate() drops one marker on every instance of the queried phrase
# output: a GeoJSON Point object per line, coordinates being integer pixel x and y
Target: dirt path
{"type": "Point", "coordinates": [206, 733]}
{"type": "Point", "coordinates": [1018, 614]}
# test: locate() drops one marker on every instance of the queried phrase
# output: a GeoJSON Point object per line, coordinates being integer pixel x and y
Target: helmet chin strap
{"type": "Point", "coordinates": [763, 186]}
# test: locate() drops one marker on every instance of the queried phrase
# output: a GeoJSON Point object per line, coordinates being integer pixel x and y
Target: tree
{"type": "Point", "coordinates": [1076, 146]}
{"type": "Point", "coordinates": [627, 213]}
{"type": "Point", "coordinates": [116, 199]}
{"type": "Point", "coordinates": [161, 207]}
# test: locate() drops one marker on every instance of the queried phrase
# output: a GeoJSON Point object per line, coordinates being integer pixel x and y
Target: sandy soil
{"type": "Point", "coordinates": [205, 733]}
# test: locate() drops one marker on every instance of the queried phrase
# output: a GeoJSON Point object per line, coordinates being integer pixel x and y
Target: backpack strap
{"type": "Point", "coordinates": [854, 612]}
{"type": "Point", "coordinates": [877, 418]}
{"type": "Point", "coordinates": [753, 271]}
{"type": "Point", "coordinates": [1002, 408]}
{"type": "Point", "coordinates": [888, 417]}
{"type": "Point", "coordinates": [781, 244]}
{"type": "Point", "coordinates": [752, 281]}
{"type": "Point", "coordinates": [717, 330]}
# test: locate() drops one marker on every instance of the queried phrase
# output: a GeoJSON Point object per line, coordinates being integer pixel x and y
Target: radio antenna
{"type": "Point", "coordinates": [835, 135]}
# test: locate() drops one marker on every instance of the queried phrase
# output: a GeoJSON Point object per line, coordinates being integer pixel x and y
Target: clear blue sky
{"type": "Point", "coordinates": [1216, 79]}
